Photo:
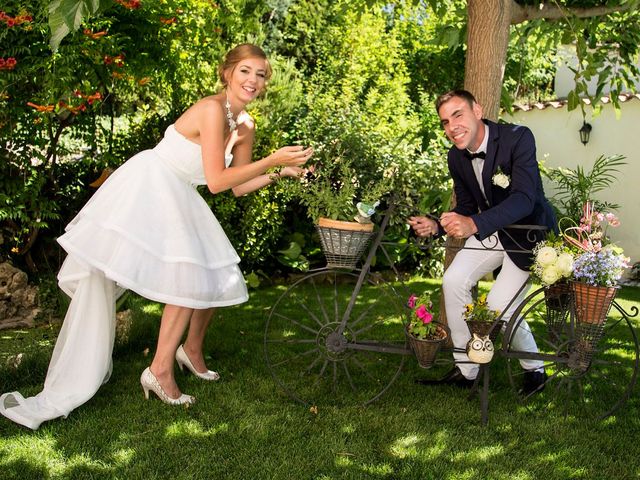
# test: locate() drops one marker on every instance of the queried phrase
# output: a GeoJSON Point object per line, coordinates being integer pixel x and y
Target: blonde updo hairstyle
{"type": "Point", "coordinates": [239, 53]}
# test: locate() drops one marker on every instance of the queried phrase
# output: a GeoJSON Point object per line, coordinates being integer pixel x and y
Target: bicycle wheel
{"type": "Point", "coordinates": [591, 372]}
{"type": "Point", "coordinates": [315, 360]}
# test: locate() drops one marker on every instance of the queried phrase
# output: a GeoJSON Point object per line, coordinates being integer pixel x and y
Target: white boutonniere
{"type": "Point", "coordinates": [501, 179]}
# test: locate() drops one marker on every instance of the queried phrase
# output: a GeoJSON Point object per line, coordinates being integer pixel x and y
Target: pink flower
{"type": "Point", "coordinates": [424, 314]}
{"type": "Point", "coordinates": [613, 220]}
{"type": "Point", "coordinates": [412, 301]}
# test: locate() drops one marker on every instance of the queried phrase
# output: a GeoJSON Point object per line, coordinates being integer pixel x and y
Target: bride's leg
{"type": "Point", "coordinates": [174, 321]}
{"type": "Point", "coordinates": [195, 338]}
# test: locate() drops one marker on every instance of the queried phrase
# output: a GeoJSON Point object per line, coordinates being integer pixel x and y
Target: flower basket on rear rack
{"type": "Point", "coordinates": [483, 329]}
{"type": "Point", "coordinates": [480, 319]}
{"type": "Point", "coordinates": [343, 242]}
{"type": "Point", "coordinates": [424, 334]}
{"type": "Point", "coordinates": [427, 349]}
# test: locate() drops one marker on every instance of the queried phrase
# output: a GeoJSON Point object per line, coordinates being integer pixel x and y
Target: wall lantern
{"type": "Point", "coordinates": [585, 132]}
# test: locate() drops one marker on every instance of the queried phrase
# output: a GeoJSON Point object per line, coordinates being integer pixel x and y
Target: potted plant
{"type": "Point", "coordinates": [480, 318]}
{"type": "Point", "coordinates": [552, 267]}
{"type": "Point", "coordinates": [598, 265]}
{"type": "Point", "coordinates": [425, 335]}
{"type": "Point", "coordinates": [345, 183]}
{"type": "Point", "coordinates": [575, 187]}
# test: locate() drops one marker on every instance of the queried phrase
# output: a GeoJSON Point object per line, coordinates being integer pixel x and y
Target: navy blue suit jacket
{"type": "Point", "coordinates": [512, 149]}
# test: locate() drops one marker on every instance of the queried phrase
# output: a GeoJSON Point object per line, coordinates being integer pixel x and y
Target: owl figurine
{"type": "Point", "coordinates": [480, 349]}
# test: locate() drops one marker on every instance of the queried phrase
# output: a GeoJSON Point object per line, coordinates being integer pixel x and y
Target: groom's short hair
{"type": "Point", "coordinates": [464, 94]}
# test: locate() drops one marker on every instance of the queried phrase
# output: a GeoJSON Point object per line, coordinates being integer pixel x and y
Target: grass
{"type": "Point", "coordinates": [245, 427]}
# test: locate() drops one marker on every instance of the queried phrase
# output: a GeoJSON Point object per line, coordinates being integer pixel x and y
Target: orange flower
{"type": "Point", "coordinates": [144, 81]}
{"type": "Point", "coordinates": [131, 4]}
{"type": "Point", "coordinates": [93, 98]}
{"type": "Point", "coordinates": [8, 64]}
{"type": "Point", "coordinates": [41, 108]}
{"type": "Point", "coordinates": [96, 35]}
{"type": "Point", "coordinates": [168, 21]}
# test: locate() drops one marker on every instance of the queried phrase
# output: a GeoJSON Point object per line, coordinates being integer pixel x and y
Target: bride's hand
{"type": "Point", "coordinates": [292, 172]}
{"type": "Point", "coordinates": [291, 156]}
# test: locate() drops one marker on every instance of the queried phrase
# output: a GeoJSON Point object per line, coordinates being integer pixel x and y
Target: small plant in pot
{"type": "Point", "coordinates": [425, 335]}
{"type": "Point", "coordinates": [480, 318]}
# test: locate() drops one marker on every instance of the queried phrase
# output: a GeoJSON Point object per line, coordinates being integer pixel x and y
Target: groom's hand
{"type": "Point", "coordinates": [423, 226]}
{"type": "Point", "coordinates": [458, 226]}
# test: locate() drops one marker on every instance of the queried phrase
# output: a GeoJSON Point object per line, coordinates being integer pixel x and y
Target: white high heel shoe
{"type": "Point", "coordinates": [183, 361]}
{"type": "Point", "coordinates": [149, 382]}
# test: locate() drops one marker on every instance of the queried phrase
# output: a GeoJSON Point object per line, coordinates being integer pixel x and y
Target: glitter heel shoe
{"type": "Point", "coordinates": [149, 382]}
{"type": "Point", "coordinates": [183, 361]}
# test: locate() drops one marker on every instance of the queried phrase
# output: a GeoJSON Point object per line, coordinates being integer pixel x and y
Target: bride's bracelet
{"type": "Point", "coordinates": [274, 175]}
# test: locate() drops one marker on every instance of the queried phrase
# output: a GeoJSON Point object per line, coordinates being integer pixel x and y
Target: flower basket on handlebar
{"type": "Point", "coordinates": [343, 242]}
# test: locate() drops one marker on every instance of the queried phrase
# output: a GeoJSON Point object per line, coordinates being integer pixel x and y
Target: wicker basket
{"type": "Point", "coordinates": [557, 298]}
{"type": "Point", "coordinates": [426, 350]}
{"type": "Point", "coordinates": [484, 328]}
{"type": "Point", "coordinates": [343, 242]}
{"type": "Point", "coordinates": [591, 305]}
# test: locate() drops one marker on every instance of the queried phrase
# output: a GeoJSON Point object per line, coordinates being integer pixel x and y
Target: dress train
{"type": "Point", "coordinates": [81, 360]}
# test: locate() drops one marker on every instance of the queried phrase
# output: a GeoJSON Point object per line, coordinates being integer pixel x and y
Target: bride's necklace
{"type": "Point", "coordinates": [232, 123]}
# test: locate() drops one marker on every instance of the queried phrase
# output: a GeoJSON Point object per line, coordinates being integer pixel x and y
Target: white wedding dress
{"type": "Point", "coordinates": [148, 230]}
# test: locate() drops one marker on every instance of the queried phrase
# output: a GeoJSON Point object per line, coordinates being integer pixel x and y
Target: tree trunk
{"type": "Point", "coordinates": [487, 41]}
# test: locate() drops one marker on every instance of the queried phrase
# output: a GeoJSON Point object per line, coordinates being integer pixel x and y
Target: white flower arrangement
{"type": "Point", "coordinates": [552, 262]}
{"type": "Point", "coordinates": [501, 179]}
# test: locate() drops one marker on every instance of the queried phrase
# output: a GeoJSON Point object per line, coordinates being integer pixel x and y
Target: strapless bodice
{"type": "Point", "coordinates": [183, 156]}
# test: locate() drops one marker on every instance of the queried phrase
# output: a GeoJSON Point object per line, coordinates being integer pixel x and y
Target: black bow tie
{"type": "Point", "coordinates": [470, 155]}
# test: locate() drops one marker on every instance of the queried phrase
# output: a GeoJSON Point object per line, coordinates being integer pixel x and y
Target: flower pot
{"type": "Point", "coordinates": [591, 305]}
{"type": "Point", "coordinates": [592, 302]}
{"type": "Point", "coordinates": [557, 298]}
{"type": "Point", "coordinates": [484, 328]}
{"type": "Point", "coordinates": [343, 242]}
{"type": "Point", "coordinates": [426, 350]}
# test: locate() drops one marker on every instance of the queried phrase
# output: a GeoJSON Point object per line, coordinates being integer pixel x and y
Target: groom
{"type": "Point", "coordinates": [497, 183]}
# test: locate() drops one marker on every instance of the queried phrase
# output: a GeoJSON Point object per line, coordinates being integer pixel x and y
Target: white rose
{"type": "Point", "coordinates": [501, 180]}
{"type": "Point", "coordinates": [564, 264]}
{"type": "Point", "coordinates": [546, 256]}
{"type": "Point", "coordinates": [550, 275]}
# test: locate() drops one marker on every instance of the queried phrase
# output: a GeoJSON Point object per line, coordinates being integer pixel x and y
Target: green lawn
{"type": "Point", "coordinates": [245, 427]}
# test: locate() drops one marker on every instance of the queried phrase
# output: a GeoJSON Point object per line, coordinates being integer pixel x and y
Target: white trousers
{"type": "Point", "coordinates": [81, 360]}
{"type": "Point", "coordinates": [469, 265]}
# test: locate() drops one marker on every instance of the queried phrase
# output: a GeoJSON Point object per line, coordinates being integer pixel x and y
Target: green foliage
{"type": "Point", "coordinates": [361, 74]}
{"type": "Point", "coordinates": [577, 186]}
{"type": "Point", "coordinates": [66, 16]}
{"type": "Point", "coordinates": [108, 92]}
{"type": "Point", "coordinates": [349, 161]}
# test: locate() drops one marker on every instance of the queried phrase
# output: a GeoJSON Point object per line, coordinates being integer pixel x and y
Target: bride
{"type": "Point", "coordinates": [147, 229]}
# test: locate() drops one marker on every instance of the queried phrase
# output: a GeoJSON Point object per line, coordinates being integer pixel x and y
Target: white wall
{"type": "Point", "coordinates": [557, 139]}
{"type": "Point", "coordinates": [564, 78]}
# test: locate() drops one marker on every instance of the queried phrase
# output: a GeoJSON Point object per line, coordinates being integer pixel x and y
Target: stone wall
{"type": "Point", "coordinates": [18, 299]}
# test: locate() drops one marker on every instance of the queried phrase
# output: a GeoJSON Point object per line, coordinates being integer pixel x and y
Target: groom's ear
{"type": "Point", "coordinates": [477, 110]}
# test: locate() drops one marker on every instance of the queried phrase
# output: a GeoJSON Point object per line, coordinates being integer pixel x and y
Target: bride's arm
{"type": "Point", "coordinates": [211, 119]}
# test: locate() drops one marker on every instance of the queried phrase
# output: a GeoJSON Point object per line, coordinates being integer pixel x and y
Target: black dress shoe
{"type": "Point", "coordinates": [533, 381]}
{"type": "Point", "coordinates": [452, 377]}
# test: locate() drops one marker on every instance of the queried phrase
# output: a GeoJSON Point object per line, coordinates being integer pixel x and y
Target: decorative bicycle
{"type": "Point", "coordinates": [337, 335]}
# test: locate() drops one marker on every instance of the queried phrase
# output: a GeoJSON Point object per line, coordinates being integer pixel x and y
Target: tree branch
{"type": "Point", "coordinates": [522, 13]}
